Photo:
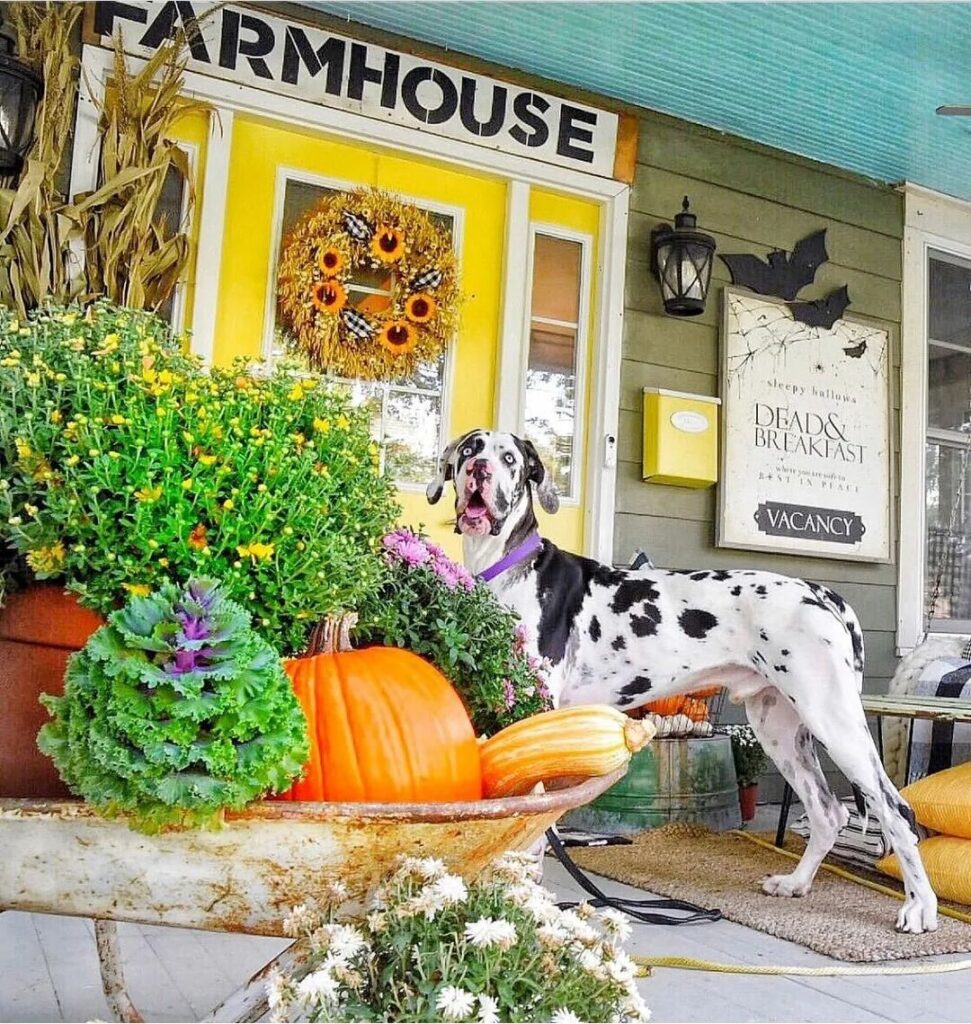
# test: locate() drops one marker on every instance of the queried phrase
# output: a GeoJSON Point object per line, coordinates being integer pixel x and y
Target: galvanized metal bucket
{"type": "Point", "coordinates": [682, 779]}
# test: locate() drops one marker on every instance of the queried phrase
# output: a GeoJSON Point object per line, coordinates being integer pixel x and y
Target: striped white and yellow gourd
{"type": "Point", "coordinates": [582, 741]}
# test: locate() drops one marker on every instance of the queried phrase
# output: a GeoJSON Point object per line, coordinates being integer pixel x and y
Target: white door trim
{"type": "Point", "coordinates": [931, 221]}
{"type": "Point", "coordinates": [230, 98]}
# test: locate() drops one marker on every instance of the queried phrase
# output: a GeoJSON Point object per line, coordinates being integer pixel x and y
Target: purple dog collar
{"type": "Point", "coordinates": [518, 554]}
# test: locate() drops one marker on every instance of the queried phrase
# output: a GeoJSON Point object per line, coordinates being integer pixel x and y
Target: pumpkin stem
{"type": "Point", "coordinates": [333, 634]}
{"type": "Point", "coordinates": [637, 734]}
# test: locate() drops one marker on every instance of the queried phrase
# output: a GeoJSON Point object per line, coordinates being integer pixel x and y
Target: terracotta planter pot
{"type": "Point", "coordinates": [747, 797]}
{"type": "Point", "coordinates": [39, 629]}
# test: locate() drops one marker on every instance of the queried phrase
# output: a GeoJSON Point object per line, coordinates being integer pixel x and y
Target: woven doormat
{"type": "Point", "coordinates": [839, 918]}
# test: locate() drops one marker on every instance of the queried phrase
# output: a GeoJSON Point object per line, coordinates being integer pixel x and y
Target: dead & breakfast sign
{"type": "Point", "coordinates": [252, 47]}
{"type": "Point", "coordinates": [806, 451]}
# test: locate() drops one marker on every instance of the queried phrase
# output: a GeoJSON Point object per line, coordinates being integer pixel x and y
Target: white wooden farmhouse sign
{"type": "Point", "coordinates": [252, 47]}
{"type": "Point", "coordinates": [806, 449]}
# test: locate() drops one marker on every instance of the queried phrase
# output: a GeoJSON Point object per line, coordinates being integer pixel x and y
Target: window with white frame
{"type": "Point", "coordinates": [172, 216]}
{"type": "Point", "coordinates": [947, 576]}
{"type": "Point", "coordinates": [406, 413]}
{"type": "Point", "coordinates": [557, 352]}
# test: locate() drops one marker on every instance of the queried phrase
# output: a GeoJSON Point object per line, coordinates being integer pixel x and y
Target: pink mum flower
{"type": "Point", "coordinates": [508, 693]}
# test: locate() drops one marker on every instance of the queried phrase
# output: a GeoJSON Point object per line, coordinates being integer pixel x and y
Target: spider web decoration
{"type": "Point", "coordinates": [769, 331]}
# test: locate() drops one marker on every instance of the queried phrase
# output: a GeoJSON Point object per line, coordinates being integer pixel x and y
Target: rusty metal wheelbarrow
{"type": "Point", "coordinates": [60, 857]}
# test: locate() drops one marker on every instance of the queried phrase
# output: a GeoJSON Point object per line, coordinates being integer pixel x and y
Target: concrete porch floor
{"type": "Point", "coordinates": [50, 972]}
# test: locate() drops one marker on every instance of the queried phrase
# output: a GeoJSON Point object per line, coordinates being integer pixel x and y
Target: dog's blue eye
{"type": "Point", "coordinates": [508, 458]}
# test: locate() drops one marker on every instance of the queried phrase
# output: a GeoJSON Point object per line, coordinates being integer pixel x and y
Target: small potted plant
{"type": "Point", "coordinates": [432, 606]}
{"type": "Point", "coordinates": [431, 946]}
{"type": "Point", "coordinates": [750, 762]}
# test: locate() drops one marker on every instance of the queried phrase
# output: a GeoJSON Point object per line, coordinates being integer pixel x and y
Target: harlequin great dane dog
{"type": "Point", "coordinates": [791, 650]}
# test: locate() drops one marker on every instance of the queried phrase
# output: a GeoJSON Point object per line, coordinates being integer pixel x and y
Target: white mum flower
{"type": "Point", "coordinates": [564, 1016]}
{"type": "Point", "coordinates": [616, 924]}
{"type": "Point", "coordinates": [590, 962]}
{"type": "Point", "coordinates": [621, 967]}
{"type": "Point", "coordinates": [455, 1003]}
{"type": "Point", "coordinates": [345, 941]}
{"type": "Point", "coordinates": [577, 927]}
{"type": "Point", "coordinates": [377, 921]}
{"type": "Point", "coordinates": [275, 986]}
{"type": "Point", "coordinates": [320, 985]}
{"type": "Point", "coordinates": [431, 867]}
{"type": "Point", "coordinates": [552, 936]}
{"type": "Point", "coordinates": [449, 889]}
{"type": "Point", "coordinates": [488, 1010]}
{"type": "Point", "coordinates": [488, 932]}
{"type": "Point", "coordinates": [634, 1007]}
{"type": "Point", "coordinates": [337, 891]}
{"type": "Point", "coordinates": [584, 911]}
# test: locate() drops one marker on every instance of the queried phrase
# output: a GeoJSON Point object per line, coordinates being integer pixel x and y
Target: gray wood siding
{"type": "Point", "coordinates": [751, 199]}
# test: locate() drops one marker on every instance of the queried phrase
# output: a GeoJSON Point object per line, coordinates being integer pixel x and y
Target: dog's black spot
{"type": "Point", "coordinates": [678, 572]}
{"type": "Point", "coordinates": [763, 634]}
{"type": "Point", "coordinates": [720, 576]}
{"type": "Point", "coordinates": [562, 582]}
{"type": "Point", "coordinates": [781, 668]}
{"type": "Point", "coordinates": [697, 623]}
{"type": "Point", "coordinates": [760, 590]}
{"type": "Point", "coordinates": [646, 624]}
{"type": "Point", "coordinates": [607, 577]}
{"type": "Point", "coordinates": [736, 590]}
{"type": "Point", "coordinates": [631, 592]}
{"type": "Point", "coordinates": [759, 659]}
{"type": "Point", "coordinates": [501, 502]}
{"type": "Point", "coordinates": [814, 602]}
{"type": "Point", "coordinates": [618, 643]}
{"type": "Point", "coordinates": [857, 641]}
{"type": "Point", "coordinates": [637, 686]}
{"type": "Point", "coordinates": [784, 652]}
{"type": "Point", "coordinates": [778, 583]}
{"type": "Point", "coordinates": [699, 576]}
{"type": "Point", "coordinates": [595, 629]}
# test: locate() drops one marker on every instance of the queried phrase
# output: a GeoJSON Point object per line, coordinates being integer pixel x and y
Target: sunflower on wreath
{"type": "Point", "coordinates": [350, 237]}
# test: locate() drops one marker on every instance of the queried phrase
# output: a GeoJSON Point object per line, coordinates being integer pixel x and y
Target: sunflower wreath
{"type": "Point", "coordinates": [351, 232]}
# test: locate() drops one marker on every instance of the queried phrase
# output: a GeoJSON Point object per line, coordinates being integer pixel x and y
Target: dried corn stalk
{"type": "Point", "coordinates": [35, 226]}
{"type": "Point", "coordinates": [130, 256]}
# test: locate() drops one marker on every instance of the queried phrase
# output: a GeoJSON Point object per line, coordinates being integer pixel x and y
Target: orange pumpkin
{"type": "Point", "coordinates": [696, 710]}
{"type": "Point", "coordinates": [705, 692]}
{"type": "Point", "coordinates": [667, 705]}
{"type": "Point", "coordinates": [385, 726]}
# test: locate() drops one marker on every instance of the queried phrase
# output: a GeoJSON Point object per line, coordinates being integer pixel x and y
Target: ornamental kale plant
{"type": "Point", "coordinates": [174, 711]}
{"type": "Point", "coordinates": [432, 606]}
{"type": "Point", "coordinates": [750, 759]}
{"type": "Point", "coordinates": [124, 463]}
{"type": "Point", "coordinates": [436, 948]}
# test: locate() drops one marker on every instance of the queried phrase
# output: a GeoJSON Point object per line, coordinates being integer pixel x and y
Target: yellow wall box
{"type": "Point", "coordinates": [680, 438]}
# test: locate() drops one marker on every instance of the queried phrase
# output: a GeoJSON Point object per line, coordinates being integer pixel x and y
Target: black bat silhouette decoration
{"type": "Point", "coordinates": [781, 273]}
{"type": "Point", "coordinates": [822, 312]}
{"type": "Point", "coordinates": [856, 351]}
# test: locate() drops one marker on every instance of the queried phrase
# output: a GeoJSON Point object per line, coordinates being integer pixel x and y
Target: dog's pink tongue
{"type": "Point", "coordinates": [475, 511]}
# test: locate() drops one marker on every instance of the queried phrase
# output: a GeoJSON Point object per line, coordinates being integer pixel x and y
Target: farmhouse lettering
{"type": "Point", "coordinates": [274, 54]}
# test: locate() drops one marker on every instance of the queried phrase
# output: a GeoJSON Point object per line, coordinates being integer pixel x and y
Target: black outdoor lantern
{"type": "Point", "coordinates": [681, 257]}
{"type": "Point", "coordinates": [20, 92]}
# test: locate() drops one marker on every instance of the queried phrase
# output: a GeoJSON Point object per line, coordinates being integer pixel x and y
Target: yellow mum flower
{"type": "Point", "coordinates": [256, 551]}
{"type": "Point", "coordinates": [137, 589]}
{"type": "Point", "coordinates": [56, 416]}
{"type": "Point", "coordinates": [343, 422]}
{"type": "Point", "coordinates": [46, 560]}
{"type": "Point", "coordinates": [296, 393]}
{"type": "Point", "coordinates": [149, 494]}
{"type": "Point", "coordinates": [229, 504]}
{"type": "Point", "coordinates": [187, 483]}
{"type": "Point", "coordinates": [321, 426]}
{"type": "Point", "coordinates": [207, 460]}
{"type": "Point", "coordinates": [118, 420]}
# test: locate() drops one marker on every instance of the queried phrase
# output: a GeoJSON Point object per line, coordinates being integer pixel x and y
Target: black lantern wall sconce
{"type": "Point", "coordinates": [682, 257]}
{"type": "Point", "coordinates": [20, 92]}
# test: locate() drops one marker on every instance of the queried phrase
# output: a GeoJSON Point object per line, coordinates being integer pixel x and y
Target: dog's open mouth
{"type": "Point", "coordinates": [475, 516]}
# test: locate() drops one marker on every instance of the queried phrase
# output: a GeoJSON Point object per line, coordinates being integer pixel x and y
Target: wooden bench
{"type": "Point", "coordinates": [937, 709]}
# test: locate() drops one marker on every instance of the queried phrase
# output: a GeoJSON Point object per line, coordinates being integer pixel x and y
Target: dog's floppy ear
{"type": "Point", "coordinates": [446, 471]}
{"type": "Point", "coordinates": [536, 472]}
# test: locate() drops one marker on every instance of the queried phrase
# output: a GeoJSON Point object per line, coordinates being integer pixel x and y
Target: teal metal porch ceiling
{"type": "Point", "coordinates": [854, 85]}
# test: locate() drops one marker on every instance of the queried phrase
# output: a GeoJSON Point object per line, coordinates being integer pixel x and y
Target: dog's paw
{"type": "Point", "coordinates": [917, 916]}
{"type": "Point", "coordinates": [785, 885]}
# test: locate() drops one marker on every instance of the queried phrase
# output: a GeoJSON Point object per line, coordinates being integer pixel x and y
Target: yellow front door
{"type": "Point", "coordinates": [276, 173]}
